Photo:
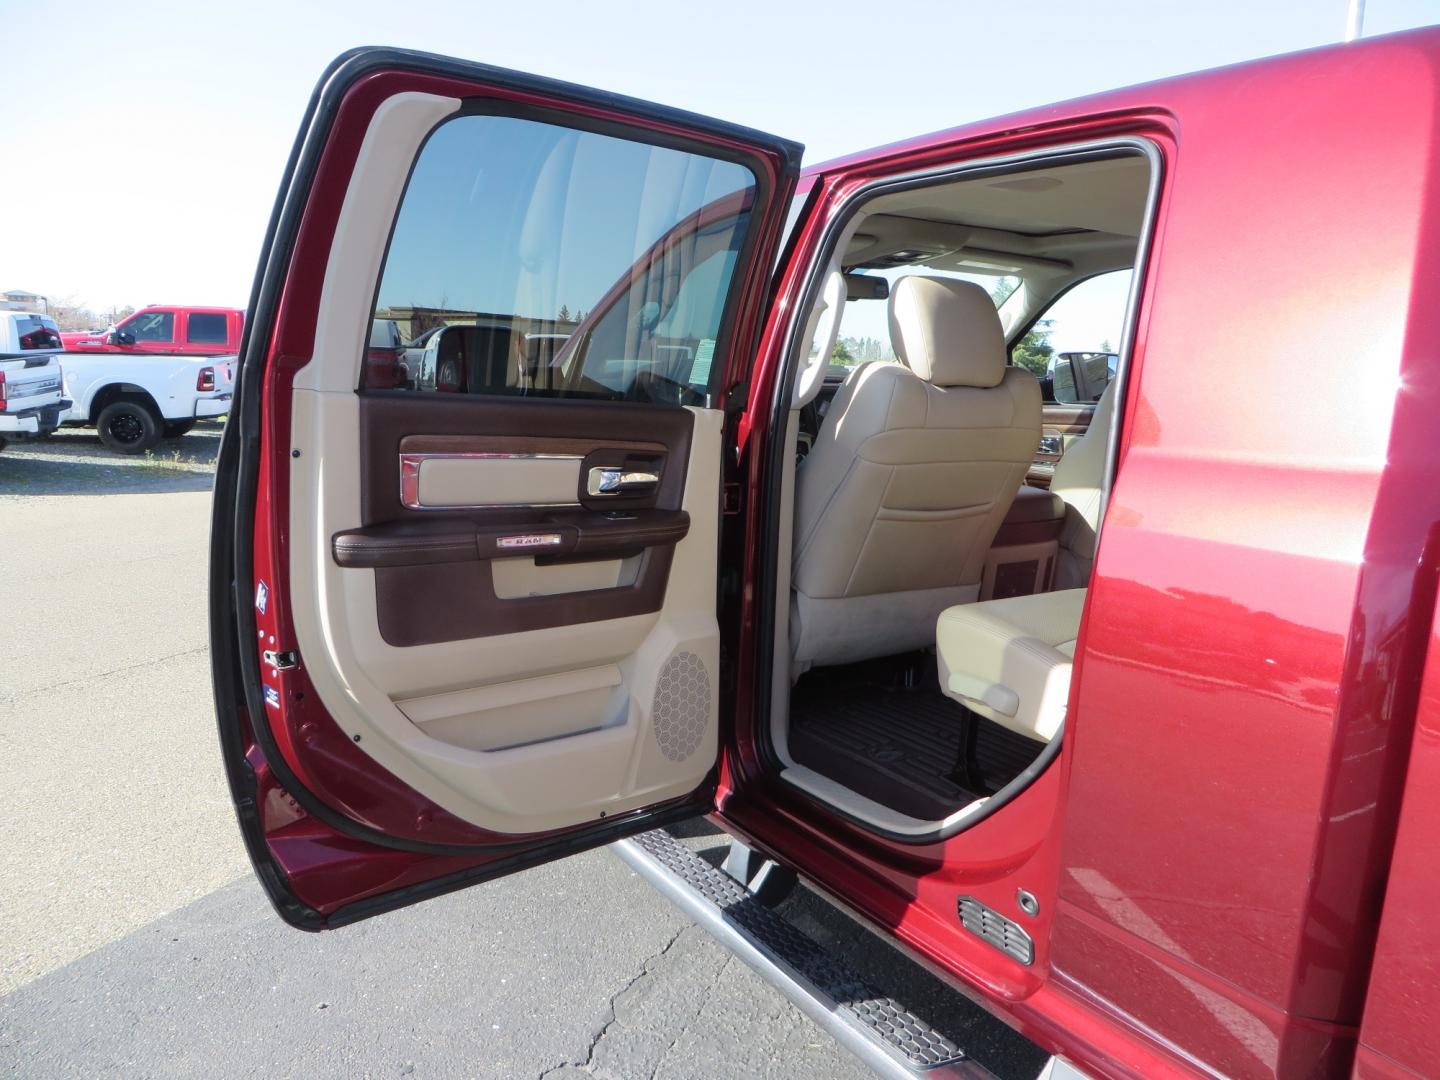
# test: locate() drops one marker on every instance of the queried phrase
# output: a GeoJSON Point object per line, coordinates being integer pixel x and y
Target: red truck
{"type": "Point", "coordinates": [191, 331]}
{"type": "Point", "coordinates": [1146, 762]}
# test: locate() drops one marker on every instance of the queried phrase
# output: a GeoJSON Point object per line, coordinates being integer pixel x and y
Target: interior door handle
{"type": "Point", "coordinates": [1052, 444]}
{"type": "Point", "coordinates": [614, 480]}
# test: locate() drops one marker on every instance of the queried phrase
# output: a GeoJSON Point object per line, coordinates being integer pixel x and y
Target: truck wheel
{"type": "Point", "coordinates": [128, 427]}
{"type": "Point", "coordinates": [175, 428]}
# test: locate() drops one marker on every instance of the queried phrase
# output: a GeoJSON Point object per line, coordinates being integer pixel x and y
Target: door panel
{"type": "Point", "coordinates": [458, 633]}
{"type": "Point", "coordinates": [1061, 425]}
{"type": "Point", "coordinates": [388, 625]}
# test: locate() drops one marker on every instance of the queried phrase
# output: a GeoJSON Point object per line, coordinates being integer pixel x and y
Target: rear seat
{"type": "Point", "coordinates": [1009, 660]}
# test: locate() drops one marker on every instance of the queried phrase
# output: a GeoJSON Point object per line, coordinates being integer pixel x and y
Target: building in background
{"type": "Point", "coordinates": [20, 300]}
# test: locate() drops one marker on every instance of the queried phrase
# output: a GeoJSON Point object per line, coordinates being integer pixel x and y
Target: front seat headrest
{"type": "Point", "coordinates": [947, 331]}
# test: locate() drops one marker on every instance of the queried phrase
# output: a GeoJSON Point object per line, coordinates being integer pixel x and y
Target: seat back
{"type": "Point", "coordinates": [910, 476]}
{"type": "Point", "coordinates": [1080, 481]}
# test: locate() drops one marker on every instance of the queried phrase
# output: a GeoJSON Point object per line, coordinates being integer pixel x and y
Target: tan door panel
{"type": "Point", "coordinates": [488, 719]}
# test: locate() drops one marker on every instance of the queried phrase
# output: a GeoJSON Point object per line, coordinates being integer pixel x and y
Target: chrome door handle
{"type": "Point", "coordinates": [1052, 444]}
{"type": "Point", "coordinates": [613, 480]}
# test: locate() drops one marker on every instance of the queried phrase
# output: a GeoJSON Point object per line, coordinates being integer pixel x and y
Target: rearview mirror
{"type": "Point", "coordinates": [866, 287]}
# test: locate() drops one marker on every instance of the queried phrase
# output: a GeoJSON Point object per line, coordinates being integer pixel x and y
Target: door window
{"type": "Point", "coordinates": [557, 262]}
{"type": "Point", "coordinates": [207, 328]}
{"type": "Point", "coordinates": [152, 326]}
{"type": "Point", "coordinates": [1076, 342]}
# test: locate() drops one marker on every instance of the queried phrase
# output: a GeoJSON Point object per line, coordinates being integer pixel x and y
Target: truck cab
{"type": "Point", "coordinates": [166, 329]}
{"type": "Point", "coordinates": [1127, 760]}
{"type": "Point", "coordinates": [32, 392]}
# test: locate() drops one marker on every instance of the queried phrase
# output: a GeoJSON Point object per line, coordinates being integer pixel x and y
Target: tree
{"type": "Point", "coordinates": [1003, 287]}
{"type": "Point", "coordinates": [564, 312]}
{"type": "Point", "coordinates": [70, 313]}
{"type": "Point", "coordinates": [841, 354]}
{"type": "Point", "coordinates": [1034, 350]}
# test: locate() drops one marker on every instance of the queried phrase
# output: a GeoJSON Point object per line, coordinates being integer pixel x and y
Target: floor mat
{"type": "Point", "coordinates": [897, 746]}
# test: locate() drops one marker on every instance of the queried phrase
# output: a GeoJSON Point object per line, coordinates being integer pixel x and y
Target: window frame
{"type": "Point", "coordinates": [776, 447]}
{"type": "Point", "coordinates": [762, 194]}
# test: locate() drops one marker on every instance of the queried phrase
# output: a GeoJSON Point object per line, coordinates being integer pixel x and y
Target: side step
{"type": "Point", "coordinates": [877, 1029]}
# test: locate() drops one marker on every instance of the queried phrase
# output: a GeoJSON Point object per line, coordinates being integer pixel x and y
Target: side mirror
{"type": "Point", "coordinates": [120, 337]}
{"type": "Point", "coordinates": [1063, 382]}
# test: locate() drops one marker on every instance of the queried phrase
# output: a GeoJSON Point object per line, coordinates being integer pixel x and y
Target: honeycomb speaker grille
{"type": "Point", "coordinates": [682, 705]}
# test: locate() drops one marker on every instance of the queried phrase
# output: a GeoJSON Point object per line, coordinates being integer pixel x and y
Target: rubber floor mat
{"type": "Point", "coordinates": [897, 746]}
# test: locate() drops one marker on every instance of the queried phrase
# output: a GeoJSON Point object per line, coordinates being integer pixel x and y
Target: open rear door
{"type": "Point", "coordinates": [464, 590]}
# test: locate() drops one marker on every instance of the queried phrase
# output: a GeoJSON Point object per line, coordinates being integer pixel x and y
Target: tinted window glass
{"type": "Point", "coordinates": [35, 332]}
{"type": "Point", "coordinates": [208, 328]}
{"type": "Point", "coordinates": [556, 262]}
{"type": "Point", "coordinates": [152, 326]}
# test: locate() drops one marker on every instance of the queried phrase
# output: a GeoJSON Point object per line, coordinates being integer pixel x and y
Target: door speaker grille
{"type": "Point", "coordinates": [682, 705]}
{"type": "Point", "coordinates": [989, 925]}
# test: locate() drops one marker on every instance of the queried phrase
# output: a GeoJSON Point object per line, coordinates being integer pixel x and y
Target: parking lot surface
{"type": "Point", "coordinates": [135, 942]}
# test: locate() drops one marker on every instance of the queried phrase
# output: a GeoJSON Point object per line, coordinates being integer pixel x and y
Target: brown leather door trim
{"type": "Point", "coordinates": [432, 570]}
{"type": "Point", "coordinates": [549, 538]}
{"type": "Point", "coordinates": [1066, 419]}
{"type": "Point", "coordinates": [396, 421]}
{"type": "Point", "coordinates": [1056, 422]}
{"type": "Point", "coordinates": [492, 444]}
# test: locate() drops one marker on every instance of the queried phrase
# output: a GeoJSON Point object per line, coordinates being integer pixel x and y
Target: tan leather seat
{"type": "Point", "coordinates": [1079, 479]}
{"type": "Point", "coordinates": [909, 478]}
{"type": "Point", "coordinates": [1009, 660]}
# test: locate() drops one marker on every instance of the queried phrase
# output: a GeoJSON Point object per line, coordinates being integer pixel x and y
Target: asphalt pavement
{"type": "Point", "coordinates": [134, 941]}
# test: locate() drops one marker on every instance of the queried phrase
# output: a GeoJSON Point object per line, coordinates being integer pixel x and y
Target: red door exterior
{"type": "Point", "coordinates": [1208, 847]}
{"type": "Point", "coordinates": [1399, 1036]}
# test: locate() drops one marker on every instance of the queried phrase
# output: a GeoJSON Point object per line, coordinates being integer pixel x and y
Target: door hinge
{"type": "Point", "coordinates": [281, 661]}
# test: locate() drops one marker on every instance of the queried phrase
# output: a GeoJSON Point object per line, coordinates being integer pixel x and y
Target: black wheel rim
{"type": "Point", "coordinates": [126, 428]}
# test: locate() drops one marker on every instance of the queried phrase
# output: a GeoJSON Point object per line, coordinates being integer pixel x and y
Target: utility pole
{"type": "Point", "coordinates": [1355, 20]}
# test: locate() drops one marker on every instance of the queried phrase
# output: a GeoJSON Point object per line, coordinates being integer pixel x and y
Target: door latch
{"type": "Point", "coordinates": [614, 480]}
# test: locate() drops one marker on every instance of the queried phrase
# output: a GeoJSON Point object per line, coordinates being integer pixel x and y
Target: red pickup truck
{"type": "Point", "coordinates": [1142, 754]}
{"type": "Point", "coordinates": [192, 331]}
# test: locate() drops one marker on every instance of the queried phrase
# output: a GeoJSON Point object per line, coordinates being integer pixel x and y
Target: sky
{"type": "Point", "coordinates": [145, 141]}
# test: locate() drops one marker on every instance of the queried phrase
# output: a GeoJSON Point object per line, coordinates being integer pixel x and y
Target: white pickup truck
{"type": "Point", "coordinates": [31, 390]}
{"type": "Point", "coordinates": [134, 401]}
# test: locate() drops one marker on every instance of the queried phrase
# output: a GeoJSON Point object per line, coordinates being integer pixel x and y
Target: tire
{"type": "Point", "coordinates": [175, 428]}
{"type": "Point", "coordinates": [4, 442]}
{"type": "Point", "coordinates": [128, 427]}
